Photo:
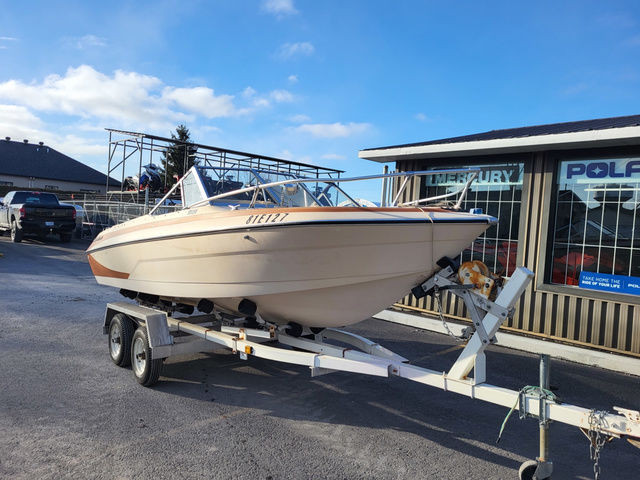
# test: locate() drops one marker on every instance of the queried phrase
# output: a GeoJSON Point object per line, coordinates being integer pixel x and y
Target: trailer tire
{"type": "Point", "coordinates": [65, 237]}
{"type": "Point", "coordinates": [145, 369]}
{"type": "Point", "coordinates": [16, 232]}
{"type": "Point", "coordinates": [121, 331]}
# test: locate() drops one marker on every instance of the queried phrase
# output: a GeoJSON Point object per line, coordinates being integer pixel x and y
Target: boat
{"type": "Point", "coordinates": [287, 249]}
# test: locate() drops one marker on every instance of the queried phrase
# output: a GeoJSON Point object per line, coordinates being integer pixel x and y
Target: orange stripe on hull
{"type": "Point", "coordinates": [100, 270]}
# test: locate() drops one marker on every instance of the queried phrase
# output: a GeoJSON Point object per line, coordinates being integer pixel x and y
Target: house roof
{"type": "Point", "coordinates": [33, 160]}
{"type": "Point", "coordinates": [585, 133]}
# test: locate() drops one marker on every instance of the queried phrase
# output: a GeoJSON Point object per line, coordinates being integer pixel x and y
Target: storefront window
{"type": "Point", "coordinates": [595, 236]}
{"type": "Point", "coordinates": [497, 191]}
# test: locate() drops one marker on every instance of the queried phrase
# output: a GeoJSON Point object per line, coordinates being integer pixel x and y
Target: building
{"type": "Point", "coordinates": [37, 166]}
{"type": "Point", "coordinates": [567, 197]}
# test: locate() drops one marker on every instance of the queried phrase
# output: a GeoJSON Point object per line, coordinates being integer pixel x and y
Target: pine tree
{"type": "Point", "coordinates": [180, 156]}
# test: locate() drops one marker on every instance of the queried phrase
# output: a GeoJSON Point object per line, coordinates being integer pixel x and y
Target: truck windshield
{"type": "Point", "coordinates": [40, 198]}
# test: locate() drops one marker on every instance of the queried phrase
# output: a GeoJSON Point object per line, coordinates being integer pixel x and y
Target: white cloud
{"type": "Point", "coordinates": [6, 39]}
{"type": "Point", "coordinates": [332, 156]}
{"type": "Point", "coordinates": [421, 116]}
{"type": "Point", "coordinates": [333, 130]}
{"type": "Point", "coordinates": [19, 123]}
{"type": "Point", "coordinates": [261, 102]}
{"type": "Point", "coordinates": [292, 78]}
{"type": "Point", "coordinates": [281, 96]}
{"type": "Point", "coordinates": [75, 146]}
{"type": "Point", "coordinates": [88, 41]}
{"type": "Point", "coordinates": [280, 8]}
{"type": "Point", "coordinates": [248, 92]}
{"type": "Point", "coordinates": [201, 100]}
{"type": "Point", "coordinates": [291, 50]}
{"type": "Point", "coordinates": [128, 98]}
{"type": "Point", "coordinates": [300, 118]}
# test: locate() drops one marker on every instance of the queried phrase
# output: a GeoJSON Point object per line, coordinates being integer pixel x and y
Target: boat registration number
{"type": "Point", "coordinates": [266, 218]}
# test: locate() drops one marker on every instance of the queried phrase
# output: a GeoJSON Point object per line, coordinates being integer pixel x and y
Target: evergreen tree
{"type": "Point", "coordinates": [180, 156]}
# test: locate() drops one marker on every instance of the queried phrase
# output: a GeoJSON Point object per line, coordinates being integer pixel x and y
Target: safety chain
{"type": "Point", "coordinates": [436, 296]}
{"type": "Point", "coordinates": [596, 421]}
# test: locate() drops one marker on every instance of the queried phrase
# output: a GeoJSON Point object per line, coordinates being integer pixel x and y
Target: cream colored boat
{"type": "Point", "coordinates": [287, 250]}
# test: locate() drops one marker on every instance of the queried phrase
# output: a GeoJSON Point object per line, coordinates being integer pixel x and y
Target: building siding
{"type": "Point", "coordinates": [561, 314]}
{"type": "Point", "coordinates": [41, 183]}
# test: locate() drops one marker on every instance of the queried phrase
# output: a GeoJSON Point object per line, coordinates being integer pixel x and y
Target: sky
{"type": "Point", "coordinates": [310, 81]}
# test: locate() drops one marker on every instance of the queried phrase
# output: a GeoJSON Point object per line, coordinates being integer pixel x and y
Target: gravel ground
{"type": "Point", "coordinates": [67, 412]}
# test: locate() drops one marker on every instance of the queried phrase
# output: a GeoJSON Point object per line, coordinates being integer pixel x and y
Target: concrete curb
{"type": "Point", "coordinates": [609, 361]}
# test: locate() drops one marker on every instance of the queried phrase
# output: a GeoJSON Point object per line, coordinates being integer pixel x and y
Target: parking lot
{"type": "Point", "coordinates": [67, 412]}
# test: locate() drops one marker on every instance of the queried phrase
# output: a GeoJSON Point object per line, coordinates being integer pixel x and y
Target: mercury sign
{"type": "Point", "coordinates": [489, 175]}
{"type": "Point", "coordinates": [601, 171]}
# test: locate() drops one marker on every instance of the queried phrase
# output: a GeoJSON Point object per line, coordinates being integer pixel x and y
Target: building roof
{"type": "Point", "coordinates": [585, 133]}
{"type": "Point", "coordinates": [34, 160]}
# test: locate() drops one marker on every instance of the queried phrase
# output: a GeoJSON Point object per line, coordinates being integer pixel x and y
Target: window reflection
{"type": "Point", "coordinates": [595, 227]}
{"type": "Point", "coordinates": [497, 191]}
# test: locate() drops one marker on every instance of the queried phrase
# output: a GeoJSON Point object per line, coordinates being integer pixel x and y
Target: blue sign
{"type": "Point", "coordinates": [610, 283]}
{"type": "Point", "coordinates": [600, 171]}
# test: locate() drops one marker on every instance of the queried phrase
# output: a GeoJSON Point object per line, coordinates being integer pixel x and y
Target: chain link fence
{"type": "Point", "coordinates": [95, 213]}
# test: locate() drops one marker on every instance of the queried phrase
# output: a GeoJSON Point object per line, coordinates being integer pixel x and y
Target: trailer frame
{"type": "Point", "coordinates": [166, 336]}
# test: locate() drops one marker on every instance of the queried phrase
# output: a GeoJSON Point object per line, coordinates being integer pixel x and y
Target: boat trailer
{"type": "Point", "coordinates": [144, 337]}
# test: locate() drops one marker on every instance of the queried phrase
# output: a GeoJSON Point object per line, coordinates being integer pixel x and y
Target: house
{"type": "Point", "coordinates": [38, 166]}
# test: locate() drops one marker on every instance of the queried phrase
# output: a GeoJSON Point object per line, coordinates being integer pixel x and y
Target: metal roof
{"type": "Point", "coordinates": [41, 161]}
{"type": "Point", "coordinates": [548, 129]}
{"type": "Point", "coordinates": [536, 137]}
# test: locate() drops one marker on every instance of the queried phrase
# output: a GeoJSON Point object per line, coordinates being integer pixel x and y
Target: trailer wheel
{"type": "Point", "coordinates": [16, 232]}
{"type": "Point", "coordinates": [145, 369]}
{"type": "Point", "coordinates": [65, 237]}
{"type": "Point", "coordinates": [527, 470]}
{"type": "Point", "coordinates": [120, 335]}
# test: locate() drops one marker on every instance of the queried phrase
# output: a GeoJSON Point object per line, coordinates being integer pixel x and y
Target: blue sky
{"type": "Point", "coordinates": [312, 81]}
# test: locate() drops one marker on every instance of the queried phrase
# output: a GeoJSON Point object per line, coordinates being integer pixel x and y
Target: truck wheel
{"type": "Point", "coordinates": [65, 237]}
{"type": "Point", "coordinates": [145, 369]}
{"type": "Point", "coordinates": [16, 232]}
{"type": "Point", "coordinates": [120, 335]}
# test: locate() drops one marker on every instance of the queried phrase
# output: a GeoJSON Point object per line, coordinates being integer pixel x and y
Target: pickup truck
{"type": "Point", "coordinates": [39, 213]}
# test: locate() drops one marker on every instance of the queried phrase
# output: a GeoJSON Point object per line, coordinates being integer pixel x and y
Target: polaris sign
{"type": "Point", "coordinates": [600, 171]}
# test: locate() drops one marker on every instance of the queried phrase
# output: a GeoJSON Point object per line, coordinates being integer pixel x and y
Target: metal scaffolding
{"type": "Point", "coordinates": [97, 212]}
{"type": "Point", "coordinates": [125, 145]}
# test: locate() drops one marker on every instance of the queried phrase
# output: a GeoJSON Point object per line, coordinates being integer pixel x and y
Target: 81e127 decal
{"type": "Point", "coordinates": [266, 218]}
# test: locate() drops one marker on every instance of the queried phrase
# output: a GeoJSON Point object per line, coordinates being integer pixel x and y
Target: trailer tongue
{"type": "Point", "coordinates": [144, 336]}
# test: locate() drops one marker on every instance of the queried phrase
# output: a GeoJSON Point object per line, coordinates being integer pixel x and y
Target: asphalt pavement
{"type": "Point", "coordinates": [66, 411]}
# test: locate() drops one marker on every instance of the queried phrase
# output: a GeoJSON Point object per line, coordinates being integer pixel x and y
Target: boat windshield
{"type": "Point", "coordinates": [234, 186]}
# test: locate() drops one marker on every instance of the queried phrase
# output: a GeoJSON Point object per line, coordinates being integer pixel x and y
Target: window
{"type": "Point", "coordinates": [4, 183]}
{"type": "Point", "coordinates": [191, 192]}
{"type": "Point", "coordinates": [497, 191]}
{"type": "Point", "coordinates": [596, 234]}
{"type": "Point", "coordinates": [48, 199]}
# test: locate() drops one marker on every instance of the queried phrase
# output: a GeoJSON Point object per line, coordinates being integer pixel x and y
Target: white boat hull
{"type": "Point", "coordinates": [316, 267]}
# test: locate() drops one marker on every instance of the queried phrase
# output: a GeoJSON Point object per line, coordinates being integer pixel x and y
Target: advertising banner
{"type": "Point", "coordinates": [610, 283]}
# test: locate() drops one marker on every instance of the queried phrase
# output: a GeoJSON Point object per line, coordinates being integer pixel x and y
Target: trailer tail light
{"type": "Point", "coordinates": [73, 214]}
{"type": "Point", "coordinates": [23, 212]}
